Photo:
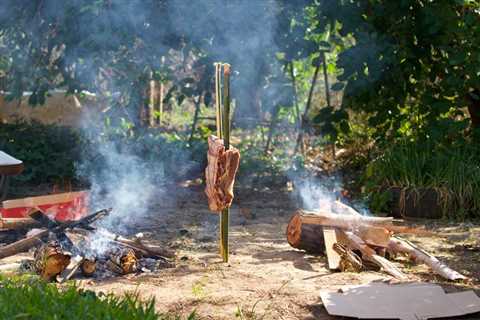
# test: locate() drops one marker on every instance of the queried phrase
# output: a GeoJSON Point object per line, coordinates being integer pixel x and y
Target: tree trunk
{"type": "Point", "coordinates": [295, 96]}
{"type": "Point", "coordinates": [304, 236]}
{"type": "Point", "coordinates": [195, 118]}
{"type": "Point", "coordinates": [299, 143]}
{"type": "Point", "coordinates": [161, 93]}
{"type": "Point", "coordinates": [474, 108]}
{"type": "Point", "coordinates": [271, 129]}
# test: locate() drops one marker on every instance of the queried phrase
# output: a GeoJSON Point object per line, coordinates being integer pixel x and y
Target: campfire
{"type": "Point", "coordinates": [353, 242]}
{"type": "Point", "coordinates": [65, 249]}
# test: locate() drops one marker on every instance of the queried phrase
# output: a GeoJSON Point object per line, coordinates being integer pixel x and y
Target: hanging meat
{"type": "Point", "coordinates": [220, 174]}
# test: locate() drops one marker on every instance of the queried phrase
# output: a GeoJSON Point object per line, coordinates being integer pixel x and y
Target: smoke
{"type": "Point", "coordinates": [123, 181]}
{"type": "Point", "coordinates": [119, 173]}
{"type": "Point", "coordinates": [321, 193]}
{"type": "Point", "coordinates": [120, 177]}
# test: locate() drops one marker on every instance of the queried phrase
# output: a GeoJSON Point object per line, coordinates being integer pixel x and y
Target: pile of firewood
{"type": "Point", "coordinates": [353, 242]}
{"type": "Point", "coordinates": [63, 249]}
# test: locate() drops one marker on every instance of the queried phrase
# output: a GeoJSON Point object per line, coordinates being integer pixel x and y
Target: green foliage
{"type": "Point", "coordinates": [51, 153]}
{"type": "Point", "coordinates": [262, 168]}
{"type": "Point", "coordinates": [48, 151]}
{"type": "Point", "coordinates": [450, 169]}
{"type": "Point", "coordinates": [413, 65]}
{"type": "Point", "coordinates": [29, 298]}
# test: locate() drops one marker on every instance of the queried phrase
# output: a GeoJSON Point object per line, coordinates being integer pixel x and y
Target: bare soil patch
{"type": "Point", "coordinates": [266, 278]}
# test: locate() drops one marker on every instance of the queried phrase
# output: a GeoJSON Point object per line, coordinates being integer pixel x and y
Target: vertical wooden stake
{"type": "Point", "coordinates": [218, 98]}
{"type": "Point", "coordinates": [160, 103]}
{"type": "Point", "coordinates": [151, 104]}
{"type": "Point", "coordinates": [224, 218]}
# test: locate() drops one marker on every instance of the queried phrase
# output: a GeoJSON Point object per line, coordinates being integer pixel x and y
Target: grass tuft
{"type": "Point", "coordinates": [453, 171]}
{"type": "Point", "coordinates": [31, 298]}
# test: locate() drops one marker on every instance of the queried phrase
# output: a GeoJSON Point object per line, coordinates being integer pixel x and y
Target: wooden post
{"type": "Point", "coordinates": [151, 104]}
{"type": "Point", "coordinates": [218, 98]}
{"type": "Point", "coordinates": [224, 218]}
{"type": "Point", "coordinates": [160, 97]}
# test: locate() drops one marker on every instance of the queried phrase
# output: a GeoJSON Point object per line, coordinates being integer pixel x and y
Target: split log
{"type": "Point", "coordinates": [17, 223]}
{"type": "Point", "coordinates": [399, 245]}
{"type": "Point", "coordinates": [22, 245]}
{"type": "Point", "coordinates": [70, 270]}
{"type": "Point", "coordinates": [369, 254]}
{"type": "Point", "coordinates": [50, 260]}
{"type": "Point", "coordinates": [374, 236]}
{"type": "Point", "coordinates": [344, 221]}
{"type": "Point", "coordinates": [333, 257]}
{"type": "Point", "coordinates": [305, 236]}
{"type": "Point", "coordinates": [88, 267]}
{"type": "Point", "coordinates": [352, 222]}
{"type": "Point", "coordinates": [123, 261]}
{"type": "Point", "coordinates": [349, 260]}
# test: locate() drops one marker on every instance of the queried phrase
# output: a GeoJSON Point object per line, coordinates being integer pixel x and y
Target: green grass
{"type": "Point", "coordinates": [453, 171]}
{"type": "Point", "coordinates": [31, 298]}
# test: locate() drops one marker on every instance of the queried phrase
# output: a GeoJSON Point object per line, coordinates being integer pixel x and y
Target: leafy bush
{"type": "Point", "coordinates": [452, 170]}
{"type": "Point", "coordinates": [30, 298]}
{"type": "Point", "coordinates": [48, 151]}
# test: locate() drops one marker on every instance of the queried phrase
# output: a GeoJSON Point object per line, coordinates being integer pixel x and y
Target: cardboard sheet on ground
{"type": "Point", "coordinates": [416, 301]}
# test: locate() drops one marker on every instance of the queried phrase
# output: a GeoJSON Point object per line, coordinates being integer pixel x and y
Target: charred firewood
{"type": "Point", "coordinates": [123, 261]}
{"type": "Point", "coordinates": [88, 267]}
{"type": "Point", "coordinates": [50, 260]}
{"type": "Point", "coordinates": [349, 260]}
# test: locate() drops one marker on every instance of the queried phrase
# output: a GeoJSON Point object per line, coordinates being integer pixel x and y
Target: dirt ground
{"type": "Point", "coordinates": [266, 278]}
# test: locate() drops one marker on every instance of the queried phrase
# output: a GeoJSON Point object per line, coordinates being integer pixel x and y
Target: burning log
{"type": "Point", "coordinates": [23, 244]}
{"type": "Point", "coordinates": [352, 222]}
{"type": "Point", "coordinates": [88, 267]}
{"type": "Point", "coordinates": [123, 261]}
{"type": "Point", "coordinates": [138, 246]}
{"type": "Point", "coordinates": [50, 260]}
{"type": "Point", "coordinates": [70, 270]}
{"type": "Point", "coordinates": [52, 226]}
{"type": "Point", "coordinates": [305, 236]}
{"type": "Point", "coordinates": [17, 223]}
{"type": "Point", "coordinates": [399, 245]}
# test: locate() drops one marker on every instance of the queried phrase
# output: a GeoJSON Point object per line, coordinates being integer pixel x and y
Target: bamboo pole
{"type": "Point", "coordinates": [160, 103]}
{"type": "Point", "coordinates": [224, 218]}
{"type": "Point", "coordinates": [151, 104]}
{"type": "Point", "coordinates": [218, 98]}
